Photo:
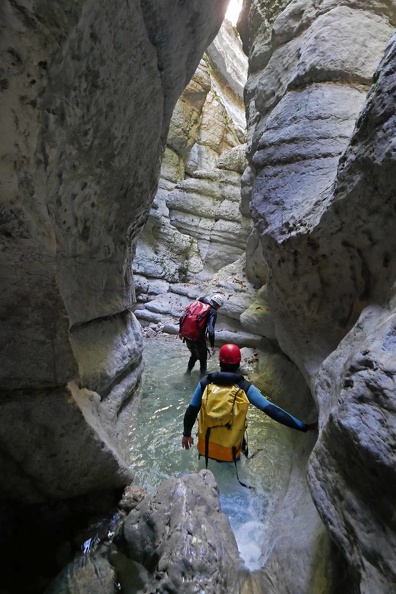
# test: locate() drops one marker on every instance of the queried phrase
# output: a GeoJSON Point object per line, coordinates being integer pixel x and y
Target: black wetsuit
{"type": "Point", "coordinates": [226, 378]}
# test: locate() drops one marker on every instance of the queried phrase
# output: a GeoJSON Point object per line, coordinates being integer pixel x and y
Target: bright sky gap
{"type": "Point", "coordinates": [233, 10]}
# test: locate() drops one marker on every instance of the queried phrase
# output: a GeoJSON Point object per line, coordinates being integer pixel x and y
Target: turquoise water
{"type": "Point", "coordinates": [155, 451]}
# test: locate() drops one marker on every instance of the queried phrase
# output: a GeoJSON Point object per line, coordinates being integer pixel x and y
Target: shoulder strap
{"type": "Point", "coordinates": [244, 384]}
{"type": "Point", "coordinates": [226, 378]}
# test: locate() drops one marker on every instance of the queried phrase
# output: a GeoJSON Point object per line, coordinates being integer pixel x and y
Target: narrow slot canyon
{"type": "Point", "coordinates": [152, 154]}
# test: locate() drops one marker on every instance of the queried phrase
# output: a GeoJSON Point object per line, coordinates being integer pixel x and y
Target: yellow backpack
{"type": "Point", "coordinates": [222, 422]}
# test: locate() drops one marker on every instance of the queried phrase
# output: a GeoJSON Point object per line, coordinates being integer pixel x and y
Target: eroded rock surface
{"type": "Point", "coordinates": [182, 539]}
{"type": "Point", "coordinates": [80, 163]}
{"type": "Point", "coordinates": [321, 183]}
{"type": "Point", "coordinates": [195, 226]}
{"type": "Point", "coordinates": [80, 158]}
{"type": "Point", "coordinates": [302, 115]}
{"type": "Point", "coordinates": [355, 385]}
{"type": "Point", "coordinates": [87, 93]}
{"type": "Point", "coordinates": [194, 240]}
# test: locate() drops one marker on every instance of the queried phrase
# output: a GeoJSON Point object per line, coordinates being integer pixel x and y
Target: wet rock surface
{"type": "Point", "coordinates": [176, 540]}
{"type": "Point", "coordinates": [182, 538]}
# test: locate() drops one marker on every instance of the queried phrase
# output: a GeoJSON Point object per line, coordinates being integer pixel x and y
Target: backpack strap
{"type": "Point", "coordinates": [236, 470]}
{"type": "Point", "coordinates": [245, 445]}
{"type": "Point", "coordinates": [207, 435]}
{"type": "Point", "coordinates": [233, 404]}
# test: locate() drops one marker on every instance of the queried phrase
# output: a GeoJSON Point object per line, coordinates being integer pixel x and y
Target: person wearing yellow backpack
{"type": "Point", "coordinates": [222, 399]}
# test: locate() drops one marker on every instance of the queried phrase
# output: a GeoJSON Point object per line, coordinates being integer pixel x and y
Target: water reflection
{"type": "Point", "coordinates": [155, 451]}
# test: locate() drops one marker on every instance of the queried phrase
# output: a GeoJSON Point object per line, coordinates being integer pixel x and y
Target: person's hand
{"type": "Point", "coordinates": [213, 350]}
{"type": "Point", "coordinates": [187, 442]}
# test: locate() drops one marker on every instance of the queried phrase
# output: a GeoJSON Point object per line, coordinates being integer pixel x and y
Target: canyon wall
{"type": "Point", "coordinates": [87, 93]}
{"type": "Point", "coordinates": [195, 227]}
{"type": "Point", "coordinates": [194, 240]}
{"type": "Point", "coordinates": [320, 187]}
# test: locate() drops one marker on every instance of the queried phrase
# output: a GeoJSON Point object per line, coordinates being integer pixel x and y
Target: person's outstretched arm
{"type": "Point", "coordinates": [211, 328]}
{"type": "Point", "coordinates": [190, 417]}
{"type": "Point", "coordinates": [275, 412]}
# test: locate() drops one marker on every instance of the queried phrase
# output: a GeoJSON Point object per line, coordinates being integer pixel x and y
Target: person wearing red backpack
{"type": "Point", "coordinates": [197, 322]}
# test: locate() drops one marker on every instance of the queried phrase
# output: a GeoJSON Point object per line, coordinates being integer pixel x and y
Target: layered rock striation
{"type": "Point", "coordinates": [302, 109]}
{"type": "Point", "coordinates": [355, 385]}
{"type": "Point", "coordinates": [319, 186]}
{"type": "Point", "coordinates": [195, 227]}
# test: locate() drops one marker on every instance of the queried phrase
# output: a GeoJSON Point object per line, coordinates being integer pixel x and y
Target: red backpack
{"type": "Point", "coordinates": [193, 321]}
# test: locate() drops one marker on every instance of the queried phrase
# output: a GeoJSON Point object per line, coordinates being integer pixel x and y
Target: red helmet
{"type": "Point", "coordinates": [230, 354]}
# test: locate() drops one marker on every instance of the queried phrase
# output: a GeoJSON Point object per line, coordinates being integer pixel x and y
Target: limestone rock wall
{"type": "Point", "coordinates": [355, 386]}
{"type": "Point", "coordinates": [195, 237]}
{"type": "Point", "coordinates": [320, 188]}
{"type": "Point", "coordinates": [195, 226]}
{"type": "Point", "coordinates": [87, 92]}
{"type": "Point", "coordinates": [302, 110]}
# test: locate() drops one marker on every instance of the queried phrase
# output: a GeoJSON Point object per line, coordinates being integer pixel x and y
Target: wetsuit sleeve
{"type": "Point", "coordinates": [190, 417]}
{"type": "Point", "coordinates": [211, 321]}
{"type": "Point", "coordinates": [275, 412]}
{"type": "Point", "coordinates": [192, 411]}
{"type": "Point", "coordinates": [211, 326]}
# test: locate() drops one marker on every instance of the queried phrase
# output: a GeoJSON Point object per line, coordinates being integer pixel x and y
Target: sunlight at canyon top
{"type": "Point", "coordinates": [233, 10]}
